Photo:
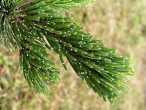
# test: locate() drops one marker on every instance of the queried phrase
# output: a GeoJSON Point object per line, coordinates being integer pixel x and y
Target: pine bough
{"type": "Point", "coordinates": [32, 27]}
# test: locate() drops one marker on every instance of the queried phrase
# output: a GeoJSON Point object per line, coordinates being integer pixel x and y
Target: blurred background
{"type": "Point", "coordinates": [122, 25]}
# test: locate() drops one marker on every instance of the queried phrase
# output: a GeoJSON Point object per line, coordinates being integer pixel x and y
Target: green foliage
{"type": "Point", "coordinates": [33, 27]}
{"type": "Point", "coordinates": [83, 2]}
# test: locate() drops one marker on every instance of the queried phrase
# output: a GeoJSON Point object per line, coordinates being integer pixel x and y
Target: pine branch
{"type": "Point", "coordinates": [33, 27]}
{"type": "Point", "coordinates": [36, 67]}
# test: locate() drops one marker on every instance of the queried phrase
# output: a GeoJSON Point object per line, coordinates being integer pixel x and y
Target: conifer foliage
{"type": "Point", "coordinates": [33, 27]}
